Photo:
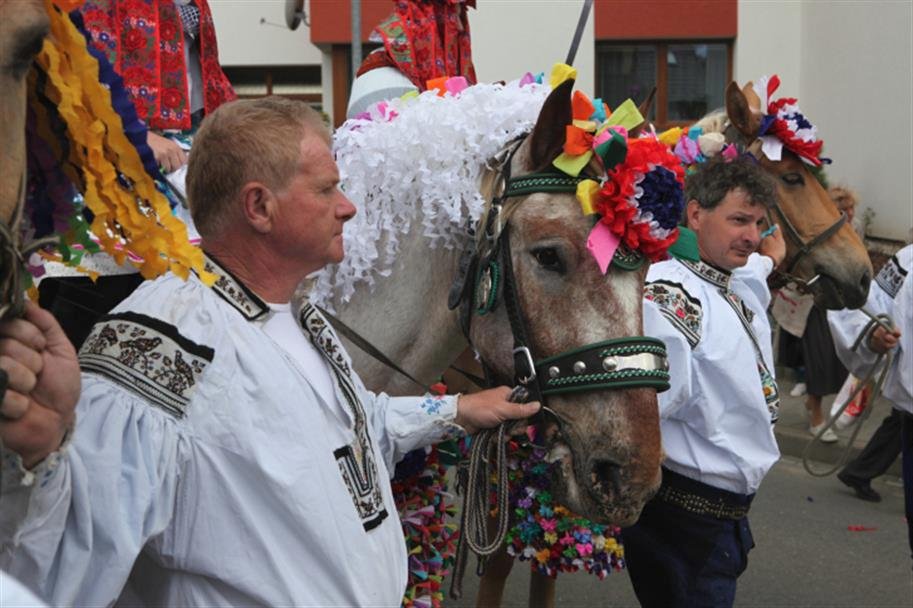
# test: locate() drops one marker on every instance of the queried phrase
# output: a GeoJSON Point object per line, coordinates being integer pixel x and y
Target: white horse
{"type": "Point", "coordinates": [419, 181]}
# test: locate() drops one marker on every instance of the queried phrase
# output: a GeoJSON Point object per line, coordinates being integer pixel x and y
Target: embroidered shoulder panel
{"type": "Point", "coordinates": [147, 357]}
{"type": "Point", "coordinates": [678, 306]}
{"type": "Point", "coordinates": [891, 276]}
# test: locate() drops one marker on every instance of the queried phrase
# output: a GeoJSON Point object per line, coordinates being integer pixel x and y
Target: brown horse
{"type": "Point", "coordinates": [23, 26]}
{"type": "Point", "coordinates": [819, 243]}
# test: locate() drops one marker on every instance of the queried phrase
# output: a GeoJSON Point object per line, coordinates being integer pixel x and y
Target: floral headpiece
{"type": "Point", "coordinates": [784, 126]}
{"type": "Point", "coordinates": [641, 199]}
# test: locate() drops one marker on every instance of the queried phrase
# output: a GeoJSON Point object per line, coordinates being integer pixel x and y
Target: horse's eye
{"type": "Point", "coordinates": [548, 258]}
{"type": "Point", "coordinates": [792, 179]}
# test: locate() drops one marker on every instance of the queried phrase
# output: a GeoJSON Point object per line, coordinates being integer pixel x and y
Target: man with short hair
{"type": "Point", "coordinates": [225, 451]}
{"type": "Point", "coordinates": [692, 540]}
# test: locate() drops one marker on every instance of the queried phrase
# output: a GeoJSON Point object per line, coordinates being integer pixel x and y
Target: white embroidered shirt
{"type": "Point", "coordinates": [206, 470]}
{"type": "Point", "coordinates": [716, 419]}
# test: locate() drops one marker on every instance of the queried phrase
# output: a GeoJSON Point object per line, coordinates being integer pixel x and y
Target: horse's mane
{"type": "Point", "coordinates": [419, 159]}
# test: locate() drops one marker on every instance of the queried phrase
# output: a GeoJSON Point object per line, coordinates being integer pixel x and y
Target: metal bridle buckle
{"type": "Point", "coordinates": [496, 219]}
{"type": "Point", "coordinates": [528, 359]}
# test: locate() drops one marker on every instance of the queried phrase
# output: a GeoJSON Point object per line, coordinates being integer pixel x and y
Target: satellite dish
{"type": "Point", "coordinates": [294, 13]}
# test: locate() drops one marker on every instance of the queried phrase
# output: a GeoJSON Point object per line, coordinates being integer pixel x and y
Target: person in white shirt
{"type": "Point", "coordinates": [225, 453]}
{"type": "Point", "coordinates": [692, 540]}
{"type": "Point", "coordinates": [891, 294]}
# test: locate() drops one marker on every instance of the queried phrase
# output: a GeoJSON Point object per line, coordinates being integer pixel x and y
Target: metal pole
{"type": "Point", "coordinates": [356, 37]}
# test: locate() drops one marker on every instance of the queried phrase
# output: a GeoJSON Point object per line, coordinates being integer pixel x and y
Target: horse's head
{"type": "Point", "coordinates": [818, 242]}
{"type": "Point", "coordinates": [606, 441]}
{"type": "Point", "coordinates": [23, 26]}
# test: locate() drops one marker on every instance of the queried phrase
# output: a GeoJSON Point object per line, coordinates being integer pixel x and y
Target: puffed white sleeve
{"type": "Point", "coordinates": [402, 424]}
{"type": "Point", "coordinates": [846, 325]}
{"type": "Point", "coordinates": [71, 528]}
{"type": "Point", "coordinates": [680, 341]}
{"type": "Point", "coordinates": [900, 390]}
{"type": "Point", "coordinates": [754, 274]}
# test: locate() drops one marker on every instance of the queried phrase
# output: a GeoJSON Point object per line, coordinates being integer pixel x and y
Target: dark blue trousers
{"type": "Point", "coordinates": [680, 559]}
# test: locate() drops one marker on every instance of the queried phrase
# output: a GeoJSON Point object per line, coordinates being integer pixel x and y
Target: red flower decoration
{"type": "Point", "coordinates": [616, 200]}
{"type": "Point", "coordinates": [172, 98]}
{"type": "Point", "coordinates": [779, 128]}
{"type": "Point", "coordinates": [134, 40]}
{"type": "Point", "coordinates": [168, 31]}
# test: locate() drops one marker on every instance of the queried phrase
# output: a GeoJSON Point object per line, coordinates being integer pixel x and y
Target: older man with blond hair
{"type": "Point", "coordinates": [225, 452]}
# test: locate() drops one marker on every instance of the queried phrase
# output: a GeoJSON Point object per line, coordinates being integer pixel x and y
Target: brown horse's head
{"type": "Point", "coordinates": [840, 261]}
{"type": "Point", "coordinates": [608, 442]}
{"type": "Point", "coordinates": [23, 26]}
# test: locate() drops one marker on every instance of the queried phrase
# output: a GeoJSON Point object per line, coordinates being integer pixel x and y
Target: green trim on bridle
{"type": "Point", "coordinates": [542, 182]}
{"type": "Point", "coordinates": [634, 362]}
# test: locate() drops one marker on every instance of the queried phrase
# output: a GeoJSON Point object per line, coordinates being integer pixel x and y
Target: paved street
{"type": "Point", "coordinates": [805, 555]}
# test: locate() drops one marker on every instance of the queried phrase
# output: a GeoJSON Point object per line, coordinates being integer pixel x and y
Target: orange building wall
{"type": "Point", "coordinates": [331, 20]}
{"type": "Point", "coordinates": [665, 19]}
{"type": "Point", "coordinates": [614, 19]}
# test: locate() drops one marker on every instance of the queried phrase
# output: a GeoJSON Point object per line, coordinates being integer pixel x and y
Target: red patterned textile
{"type": "Point", "coordinates": [427, 39]}
{"type": "Point", "coordinates": [144, 41]}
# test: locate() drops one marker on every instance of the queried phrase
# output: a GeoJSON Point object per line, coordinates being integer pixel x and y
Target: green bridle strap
{"type": "Point", "coordinates": [542, 182]}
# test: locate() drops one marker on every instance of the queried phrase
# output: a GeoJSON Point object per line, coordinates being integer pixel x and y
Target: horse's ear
{"type": "Point", "coordinates": [547, 139]}
{"type": "Point", "coordinates": [740, 112]}
{"type": "Point", "coordinates": [644, 108]}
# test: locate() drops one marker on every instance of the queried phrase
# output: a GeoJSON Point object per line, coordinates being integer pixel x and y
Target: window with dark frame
{"type": "Point", "coordinates": [690, 76]}
{"type": "Point", "coordinates": [293, 81]}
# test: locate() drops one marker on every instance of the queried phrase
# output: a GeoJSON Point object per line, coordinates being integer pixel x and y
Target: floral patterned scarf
{"type": "Point", "coordinates": [426, 39]}
{"type": "Point", "coordinates": [144, 40]}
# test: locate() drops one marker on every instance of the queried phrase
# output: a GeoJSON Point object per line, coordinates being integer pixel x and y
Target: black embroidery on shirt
{"type": "Point", "coordinates": [147, 357]}
{"type": "Point", "coordinates": [768, 383]}
{"type": "Point", "coordinates": [891, 276]}
{"type": "Point", "coordinates": [368, 502]}
{"type": "Point", "coordinates": [356, 461]}
{"type": "Point", "coordinates": [709, 273]}
{"type": "Point", "coordinates": [234, 292]}
{"type": "Point", "coordinates": [678, 306]}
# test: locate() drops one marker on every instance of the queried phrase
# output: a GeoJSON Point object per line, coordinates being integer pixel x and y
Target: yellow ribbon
{"type": "Point", "coordinates": [626, 115]}
{"type": "Point", "coordinates": [560, 73]}
{"type": "Point", "coordinates": [671, 136]}
{"type": "Point", "coordinates": [140, 219]}
{"type": "Point", "coordinates": [586, 194]}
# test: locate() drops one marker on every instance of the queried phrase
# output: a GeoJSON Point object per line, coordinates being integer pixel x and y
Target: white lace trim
{"type": "Point", "coordinates": [425, 163]}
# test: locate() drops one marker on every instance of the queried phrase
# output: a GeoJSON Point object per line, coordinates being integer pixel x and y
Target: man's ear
{"type": "Point", "coordinates": [258, 205]}
{"type": "Point", "coordinates": [692, 215]}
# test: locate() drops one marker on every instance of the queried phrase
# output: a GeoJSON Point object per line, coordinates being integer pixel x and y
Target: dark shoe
{"type": "Point", "coordinates": [862, 487]}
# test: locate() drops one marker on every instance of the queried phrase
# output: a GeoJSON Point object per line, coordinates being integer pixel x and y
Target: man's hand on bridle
{"type": "Point", "coordinates": [882, 340]}
{"type": "Point", "coordinates": [489, 408]}
{"type": "Point", "coordinates": [43, 384]}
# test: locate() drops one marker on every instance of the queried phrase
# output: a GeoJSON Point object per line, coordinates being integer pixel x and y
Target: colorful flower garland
{"type": "Point", "coordinates": [643, 198]}
{"type": "Point", "coordinates": [785, 126]}
{"type": "Point", "coordinates": [641, 201]}
{"type": "Point", "coordinates": [547, 534]}
{"type": "Point", "coordinates": [427, 513]}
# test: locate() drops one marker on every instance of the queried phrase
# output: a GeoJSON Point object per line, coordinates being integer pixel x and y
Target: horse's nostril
{"type": "Point", "coordinates": [606, 476]}
{"type": "Point", "coordinates": [865, 281]}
